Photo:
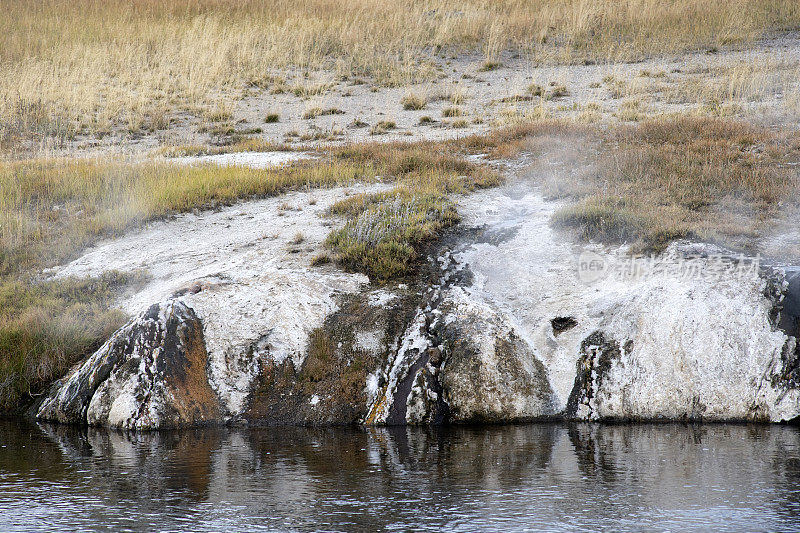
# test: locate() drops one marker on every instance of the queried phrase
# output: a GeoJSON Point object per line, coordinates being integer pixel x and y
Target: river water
{"type": "Point", "coordinates": [512, 478]}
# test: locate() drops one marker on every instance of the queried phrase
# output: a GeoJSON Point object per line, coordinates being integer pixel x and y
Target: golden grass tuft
{"type": "Point", "coordinates": [384, 126]}
{"type": "Point", "coordinates": [413, 102]}
{"type": "Point", "coordinates": [315, 112]}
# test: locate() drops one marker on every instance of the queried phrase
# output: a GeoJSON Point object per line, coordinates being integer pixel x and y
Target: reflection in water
{"type": "Point", "coordinates": [542, 476]}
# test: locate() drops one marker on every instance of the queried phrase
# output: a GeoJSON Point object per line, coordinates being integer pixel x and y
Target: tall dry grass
{"type": "Point", "coordinates": [742, 82]}
{"type": "Point", "coordinates": [70, 66]}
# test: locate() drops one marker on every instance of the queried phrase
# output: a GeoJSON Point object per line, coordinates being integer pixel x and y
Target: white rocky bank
{"type": "Point", "coordinates": [243, 272]}
{"type": "Point", "coordinates": [509, 331]}
{"type": "Point", "coordinates": [690, 336]}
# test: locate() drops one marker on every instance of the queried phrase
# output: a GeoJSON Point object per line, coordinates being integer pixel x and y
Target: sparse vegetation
{"type": "Point", "coordinates": [558, 91]}
{"type": "Point", "coordinates": [382, 127]}
{"type": "Point", "coordinates": [413, 102]}
{"type": "Point", "coordinates": [711, 179]}
{"type": "Point", "coordinates": [320, 259]}
{"type": "Point", "coordinates": [489, 66]}
{"type": "Point", "coordinates": [319, 134]}
{"type": "Point", "coordinates": [315, 112]}
{"type": "Point", "coordinates": [450, 112]}
{"type": "Point", "coordinates": [247, 145]}
{"type": "Point", "coordinates": [88, 66]}
{"type": "Point", "coordinates": [218, 114]}
{"type": "Point", "coordinates": [617, 88]}
{"type": "Point", "coordinates": [307, 90]}
{"type": "Point", "coordinates": [458, 95]}
{"type": "Point", "coordinates": [272, 118]}
{"type": "Point", "coordinates": [513, 115]}
{"type": "Point", "coordinates": [515, 98]}
{"type": "Point", "coordinates": [381, 238]}
{"type": "Point", "coordinates": [591, 112]}
{"type": "Point", "coordinates": [535, 89]}
{"type": "Point", "coordinates": [740, 83]}
{"type": "Point", "coordinates": [630, 111]}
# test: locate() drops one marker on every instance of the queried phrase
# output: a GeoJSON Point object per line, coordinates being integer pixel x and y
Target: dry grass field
{"type": "Point", "coordinates": [711, 180]}
{"type": "Point", "coordinates": [89, 66]}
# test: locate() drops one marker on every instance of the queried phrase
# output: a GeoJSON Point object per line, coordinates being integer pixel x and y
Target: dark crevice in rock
{"type": "Point", "coordinates": [783, 290]}
{"type": "Point", "coordinates": [399, 408]}
{"type": "Point", "coordinates": [789, 318]}
{"type": "Point", "coordinates": [560, 324]}
{"type": "Point", "coordinates": [424, 368]}
{"type": "Point", "coordinates": [598, 354]}
{"type": "Point", "coordinates": [329, 387]}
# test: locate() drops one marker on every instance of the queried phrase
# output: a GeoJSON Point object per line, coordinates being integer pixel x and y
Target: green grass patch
{"type": "Point", "coordinates": [383, 233]}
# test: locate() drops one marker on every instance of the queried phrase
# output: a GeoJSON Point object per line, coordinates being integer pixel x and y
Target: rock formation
{"type": "Point", "coordinates": [500, 328]}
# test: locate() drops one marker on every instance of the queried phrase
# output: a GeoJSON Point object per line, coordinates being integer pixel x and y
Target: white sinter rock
{"type": "Point", "coordinates": [687, 341]}
{"type": "Point", "coordinates": [245, 272]}
{"type": "Point", "coordinates": [523, 324]}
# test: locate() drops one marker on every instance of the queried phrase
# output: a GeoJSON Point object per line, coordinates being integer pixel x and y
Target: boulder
{"type": "Point", "coordinates": [151, 374]}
